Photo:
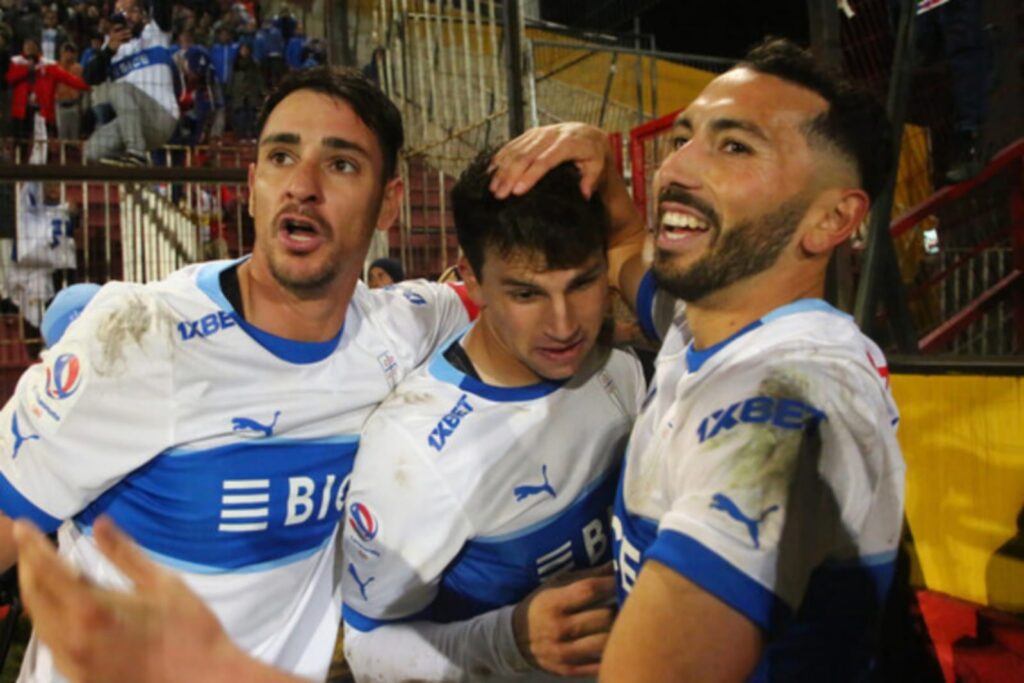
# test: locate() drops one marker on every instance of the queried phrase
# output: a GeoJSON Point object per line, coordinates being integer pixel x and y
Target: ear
{"type": "Point", "coordinates": [252, 190]}
{"type": "Point", "coordinates": [834, 216]}
{"type": "Point", "coordinates": [471, 281]}
{"type": "Point", "coordinates": [390, 203]}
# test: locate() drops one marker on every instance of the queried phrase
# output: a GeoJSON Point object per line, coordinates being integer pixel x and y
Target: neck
{"type": "Point", "coordinates": [721, 314]}
{"type": "Point", "coordinates": [275, 309]}
{"type": "Point", "coordinates": [492, 361]}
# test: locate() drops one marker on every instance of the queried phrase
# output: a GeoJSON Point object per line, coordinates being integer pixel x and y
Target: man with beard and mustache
{"type": "Point", "coordinates": [761, 504]}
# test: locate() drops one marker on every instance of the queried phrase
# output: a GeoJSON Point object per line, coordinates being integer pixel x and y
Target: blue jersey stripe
{"type": "Point", "coordinates": [717, 576]}
{"type": "Point", "coordinates": [257, 503]}
{"type": "Point", "coordinates": [645, 306]}
{"type": "Point", "coordinates": [16, 506]}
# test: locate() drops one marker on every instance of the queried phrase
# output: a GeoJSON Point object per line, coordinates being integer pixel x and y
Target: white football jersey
{"type": "Point", "coordinates": [766, 470]}
{"type": "Point", "coordinates": [467, 496]}
{"type": "Point", "coordinates": [222, 450]}
{"type": "Point", "coordinates": [146, 63]}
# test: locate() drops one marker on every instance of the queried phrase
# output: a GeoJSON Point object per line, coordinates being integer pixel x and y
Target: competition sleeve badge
{"type": "Point", "coordinates": [64, 377]}
{"type": "Point", "coordinates": [364, 524]}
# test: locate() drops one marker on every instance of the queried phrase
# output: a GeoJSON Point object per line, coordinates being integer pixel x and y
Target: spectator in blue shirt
{"type": "Point", "coordinates": [296, 45]}
{"type": "Point", "coordinates": [222, 55]}
{"type": "Point", "coordinates": [270, 52]}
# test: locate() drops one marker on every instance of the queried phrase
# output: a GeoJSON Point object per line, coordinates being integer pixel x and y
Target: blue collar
{"type": "Point", "coordinates": [695, 359]}
{"type": "Point", "coordinates": [444, 371]}
{"type": "Point", "coordinates": [290, 350]}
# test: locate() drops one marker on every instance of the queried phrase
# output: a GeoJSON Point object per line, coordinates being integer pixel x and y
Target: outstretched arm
{"type": "Point", "coordinates": [160, 632]}
{"type": "Point", "coordinates": [561, 628]}
{"type": "Point", "coordinates": [523, 161]}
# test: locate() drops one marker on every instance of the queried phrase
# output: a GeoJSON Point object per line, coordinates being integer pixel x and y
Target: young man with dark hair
{"type": "Point", "coordinates": [761, 505]}
{"type": "Point", "coordinates": [492, 468]}
{"type": "Point", "coordinates": [215, 415]}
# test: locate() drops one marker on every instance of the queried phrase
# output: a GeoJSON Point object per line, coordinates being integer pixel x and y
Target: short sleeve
{"type": "Point", "coordinates": [94, 409]}
{"type": "Point", "coordinates": [419, 316]}
{"type": "Point", "coordinates": [757, 501]}
{"type": "Point", "coordinates": [403, 528]}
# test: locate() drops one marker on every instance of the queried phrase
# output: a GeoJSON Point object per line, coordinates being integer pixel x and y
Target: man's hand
{"type": "Point", "coordinates": [562, 627]}
{"type": "Point", "coordinates": [118, 36]}
{"type": "Point", "coordinates": [523, 161]}
{"type": "Point", "coordinates": [160, 632]}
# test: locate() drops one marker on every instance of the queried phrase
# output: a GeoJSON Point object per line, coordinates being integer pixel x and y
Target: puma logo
{"type": "Point", "coordinates": [18, 438]}
{"type": "Point", "coordinates": [527, 490]}
{"type": "Point", "coordinates": [359, 582]}
{"type": "Point", "coordinates": [245, 424]}
{"type": "Point", "coordinates": [722, 502]}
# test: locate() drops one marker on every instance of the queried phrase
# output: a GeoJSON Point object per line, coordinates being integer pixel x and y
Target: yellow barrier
{"type": "Point", "coordinates": [963, 440]}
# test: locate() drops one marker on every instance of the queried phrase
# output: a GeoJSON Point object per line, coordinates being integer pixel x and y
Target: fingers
{"type": "Point", "coordinates": [126, 556]}
{"type": "Point", "coordinates": [586, 593]}
{"type": "Point", "coordinates": [43, 577]}
{"type": "Point", "coordinates": [519, 164]}
{"type": "Point", "coordinates": [522, 162]}
{"type": "Point", "coordinates": [60, 602]}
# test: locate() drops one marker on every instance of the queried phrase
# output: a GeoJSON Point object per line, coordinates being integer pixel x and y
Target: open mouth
{"type": "Point", "coordinates": [300, 229]}
{"type": "Point", "coordinates": [676, 225]}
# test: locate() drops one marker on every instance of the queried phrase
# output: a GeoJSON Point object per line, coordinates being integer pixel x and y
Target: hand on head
{"type": "Point", "coordinates": [526, 159]}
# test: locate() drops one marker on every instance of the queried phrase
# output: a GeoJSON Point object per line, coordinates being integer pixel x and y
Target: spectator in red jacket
{"type": "Point", "coordinates": [33, 80]}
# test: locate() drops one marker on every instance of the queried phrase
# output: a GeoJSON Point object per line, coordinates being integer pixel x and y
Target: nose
{"type": "Point", "coordinates": [303, 185]}
{"type": "Point", "coordinates": [562, 322]}
{"type": "Point", "coordinates": [680, 167]}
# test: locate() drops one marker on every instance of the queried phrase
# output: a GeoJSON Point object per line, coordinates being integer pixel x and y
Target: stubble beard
{"type": "Point", "coordinates": [749, 248]}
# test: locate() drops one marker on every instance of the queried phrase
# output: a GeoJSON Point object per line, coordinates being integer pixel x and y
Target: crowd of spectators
{"type": "Point", "coordinates": [129, 76]}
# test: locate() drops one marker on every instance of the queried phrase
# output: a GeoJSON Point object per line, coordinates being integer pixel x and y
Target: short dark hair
{"type": "Point", "coordinates": [553, 219]}
{"type": "Point", "coordinates": [370, 104]}
{"type": "Point", "coordinates": [855, 124]}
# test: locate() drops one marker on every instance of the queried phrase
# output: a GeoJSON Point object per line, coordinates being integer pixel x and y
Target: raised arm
{"type": "Point", "coordinates": [523, 161]}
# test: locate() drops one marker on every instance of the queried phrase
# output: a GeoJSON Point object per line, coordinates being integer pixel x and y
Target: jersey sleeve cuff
{"type": "Point", "coordinates": [364, 623]}
{"type": "Point", "coordinates": [17, 506]}
{"type": "Point", "coordinates": [717, 576]}
{"type": "Point", "coordinates": [645, 306]}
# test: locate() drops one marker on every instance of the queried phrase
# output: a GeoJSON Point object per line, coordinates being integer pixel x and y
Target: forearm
{"type": "Point", "coordinates": [424, 651]}
{"type": "Point", "coordinates": [8, 552]}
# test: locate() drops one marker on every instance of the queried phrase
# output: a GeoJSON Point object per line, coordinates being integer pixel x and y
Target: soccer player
{"type": "Point", "coordinates": [215, 415]}
{"type": "Point", "coordinates": [492, 469]}
{"type": "Point", "coordinates": [758, 518]}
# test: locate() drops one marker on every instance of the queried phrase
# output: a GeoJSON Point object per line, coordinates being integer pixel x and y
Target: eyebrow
{"type": "Point", "coordinates": [331, 142]}
{"type": "Point", "coordinates": [721, 125]}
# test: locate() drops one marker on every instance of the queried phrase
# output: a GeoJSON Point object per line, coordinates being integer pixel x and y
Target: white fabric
{"type": "Point", "coordinates": [466, 497]}
{"type": "Point", "coordinates": [771, 457]}
{"type": "Point", "coordinates": [224, 452]}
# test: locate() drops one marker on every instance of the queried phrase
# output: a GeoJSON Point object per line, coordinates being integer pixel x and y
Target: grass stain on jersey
{"type": "Point", "coordinates": [129, 323]}
{"type": "Point", "coordinates": [767, 455]}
